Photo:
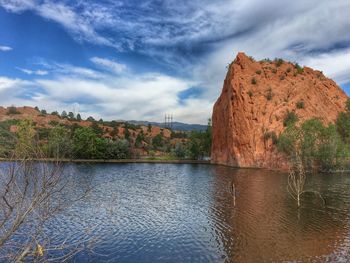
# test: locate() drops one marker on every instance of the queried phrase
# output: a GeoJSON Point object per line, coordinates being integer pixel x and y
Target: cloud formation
{"type": "Point", "coordinates": [108, 64]}
{"type": "Point", "coordinates": [195, 39]}
{"type": "Point", "coordinates": [5, 48]}
{"type": "Point", "coordinates": [38, 72]}
{"type": "Point", "coordinates": [109, 96]}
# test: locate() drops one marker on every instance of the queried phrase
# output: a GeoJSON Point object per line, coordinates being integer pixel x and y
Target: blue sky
{"type": "Point", "coordinates": [141, 59]}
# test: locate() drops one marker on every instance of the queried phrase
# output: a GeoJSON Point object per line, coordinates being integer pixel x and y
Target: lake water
{"type": "Point", "coordinates": [185, 213]}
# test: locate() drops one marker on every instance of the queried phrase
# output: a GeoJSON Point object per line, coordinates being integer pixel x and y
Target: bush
{"type": "Point", "coordinates": [270, 135]}
{"type": "Point", "coordinates": [318, 145]}
{"type": "Point", "coordinates": [258, 72]}
{"type": "Point", "coordinates": [279, 62]}
{"type": "Point", "coordinates": [254, 82]}
{"type": "Point", "coordinates": [290, 119]}
{"type": "Point", "coordinates": [348, 105]}
{"type": "Point", "coordinates": [157, 141]}
{"type": "Point", "coordinates": [269, 94]}
{"type": "Point", "coordinates": [343, 126]}
{"type": "Point", "coordinates": [299, 68]}
{"type": "Point", "coordinates": [250, 93]}
{"type": "Point", "coordinates": [300, 104]}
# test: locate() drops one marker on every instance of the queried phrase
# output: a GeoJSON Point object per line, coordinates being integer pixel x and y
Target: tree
{"type": "Point", "coordinates": [126, 133]}
{"type": "Point", "coordinates": [157, 141]}
{"type": "Point", "coordinates": [179, 151]}
{"type": "Point", "coordinates": [79, 117]}
{"type": "Point", "coordinates": [31, 194]}
{"type": "Point", "coordinates": [207, 139]}
{"type": "Point", "coordinates": [7, 138]}
{"type": "Point", "coordinates": [26, 140]}
{"type": "Point", "coordinates": [59, 143]}
{"type": "Point", "coordinates": [343, 126]}
{"type": "Point", "coordinates": [90, 118]}
{"type": "Point", "coordinates": [64, 114]}
{"type": "Point", "coordinates": [109, 149]}
{"type": "Point", "coordinates": [318, 146]}
{"type": "Point", "coordinates": [332, 152]}
{"type": "Point", "coordinates": [140, 137]}
{"type": "Point", "coordinates": [71, 115]}
{"type": "Point", "coordinates": [43, 112]}
{"type": "Point", "coordinates": [96, 128]}
{"type": "Point", "coordinates": [85, 143]}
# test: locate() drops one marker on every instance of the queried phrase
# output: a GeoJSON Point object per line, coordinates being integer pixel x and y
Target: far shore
{"type": "Point", "coordinates": [114, 161]}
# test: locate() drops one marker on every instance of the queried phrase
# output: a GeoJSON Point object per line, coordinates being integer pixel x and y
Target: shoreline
{"type": "Point", "coordinates": [113, 161]}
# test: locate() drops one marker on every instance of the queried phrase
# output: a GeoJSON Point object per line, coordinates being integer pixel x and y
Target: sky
{"type": "Point", "coordinates": [141, 59]}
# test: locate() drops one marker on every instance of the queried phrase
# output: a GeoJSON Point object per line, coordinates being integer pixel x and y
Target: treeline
{"type": "Point", "coordinates": [321, 147]}
{"type": "Point", "coordinates": [77, 142]}
{"type": "Point", "coordinates": [73, 142]}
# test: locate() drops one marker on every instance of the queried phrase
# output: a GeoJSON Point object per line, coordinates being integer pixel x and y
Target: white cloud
{"type": "Point", "coordinates": [8, 83]}
{"type": "Point", "coordinates": [142, 97]}
{"type": "Point", "coordinates": [198, 38]}
{"type": "Point", "coordinates": [110, 65]}
{"type": "Point", "coordinates": [335, 64]}
{"type": "Point", "coordinates": [63, 14]}
{"type": "Point", "coordinates": [5, 48]}
{"type": "Point", "coordinates": [38, 72]}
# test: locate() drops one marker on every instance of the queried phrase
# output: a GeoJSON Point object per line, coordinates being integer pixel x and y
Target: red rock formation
{"type": "Point", "coordinates": [254, 102]}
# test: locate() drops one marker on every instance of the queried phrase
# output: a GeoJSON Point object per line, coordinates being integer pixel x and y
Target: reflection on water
{"type": "Point", "coordinates": [185, 213]}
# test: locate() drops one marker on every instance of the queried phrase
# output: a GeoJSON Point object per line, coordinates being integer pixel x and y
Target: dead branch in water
{"type": "Point", "coordinates": [31, 194]}
{"type": "Point", "coordinates": [233, 192]}
{"type": "Point", "coordinates": [296, 181]}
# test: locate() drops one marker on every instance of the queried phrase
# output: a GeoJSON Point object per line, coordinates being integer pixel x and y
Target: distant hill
{"type": "Point", "coordinates": [177, 126]}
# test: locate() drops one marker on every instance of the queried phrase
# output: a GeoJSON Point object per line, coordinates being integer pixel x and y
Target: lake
{"type": "Point", "coordinates": [186, 213]}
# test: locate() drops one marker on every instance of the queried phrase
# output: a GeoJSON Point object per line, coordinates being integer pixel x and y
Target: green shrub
{"type": "Point", "coordinates": [279, 62]}
{"type": "Point", "coordinates": [270, 135]}
{"type": "Point", "coordinates": [299, 68]}
{"type": "Point", "coordinates": [343, 126]}
{"type": "Point", "coordinates": [258, 72]}
{"type": "Point", "coordinates": [347, 104]}
{"type": "Point", "coordinates": [269, 94]}
{"type": "Point", "coordinates": [266, 60]}
{"type": "Point", "coordinates": [53, 123]}
{"type": "Point", "coordinates": [290, 119]}
{"type": "Point", "coordinates": [250, 93]}
{"type": "Point", "coordinates": [254, 82]}
{"type": "Point", "coordinates": [300, 104]}
{"type": "Point", "coordinates": [318, 145]}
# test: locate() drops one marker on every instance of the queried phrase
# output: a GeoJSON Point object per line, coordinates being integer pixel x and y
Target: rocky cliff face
{"type": "Point", "coordinates": [255, 100]}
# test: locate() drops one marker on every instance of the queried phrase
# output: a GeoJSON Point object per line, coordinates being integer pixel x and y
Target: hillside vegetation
{"type": "Point", "coordinates": [67, 135]}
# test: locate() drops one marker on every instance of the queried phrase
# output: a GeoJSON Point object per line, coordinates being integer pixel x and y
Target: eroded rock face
{"type": "Point", "coordinates": [254, 102]}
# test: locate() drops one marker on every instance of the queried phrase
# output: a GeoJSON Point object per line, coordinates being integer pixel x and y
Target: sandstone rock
{"type": "Point", "coordinates": [255, 99]}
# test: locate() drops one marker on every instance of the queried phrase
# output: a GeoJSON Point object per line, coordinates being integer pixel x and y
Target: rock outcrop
{"type": "Point", "coordinates": [256, 98]}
